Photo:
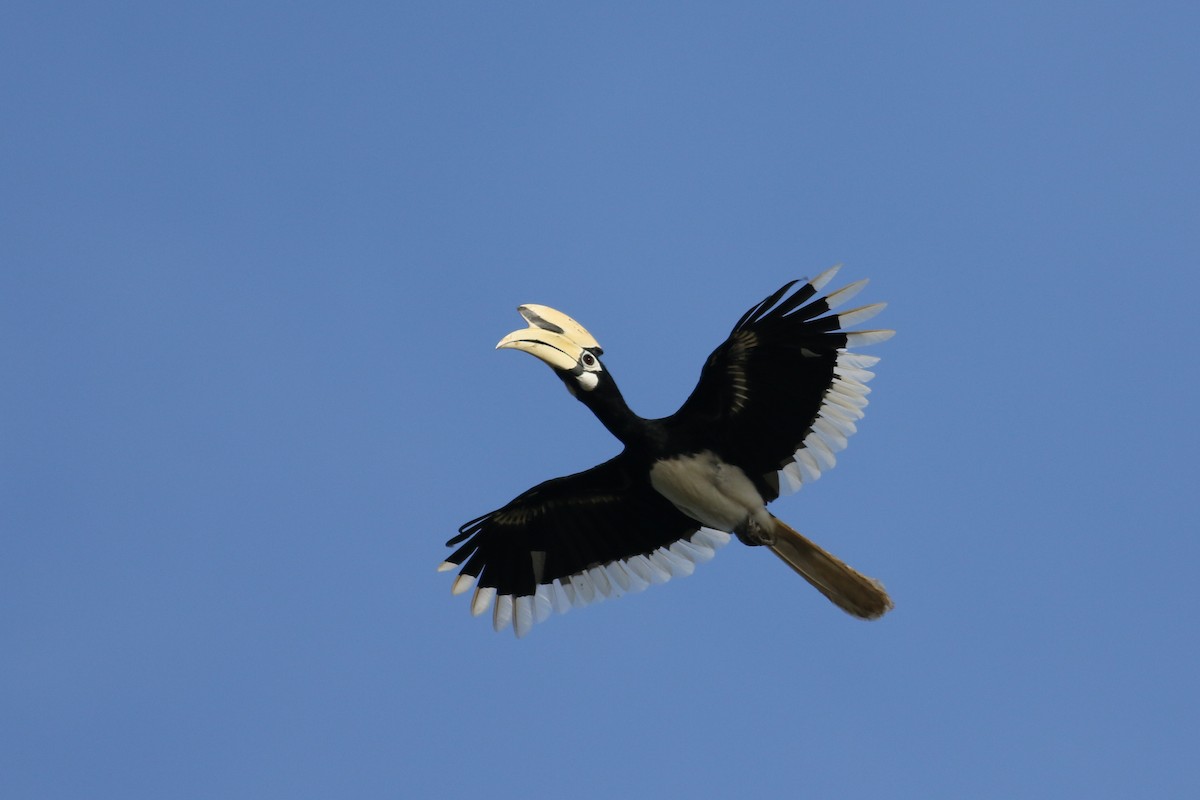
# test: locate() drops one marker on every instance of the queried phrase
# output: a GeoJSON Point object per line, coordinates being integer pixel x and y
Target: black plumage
{"type": "Point", "coordinates": [780, 393]}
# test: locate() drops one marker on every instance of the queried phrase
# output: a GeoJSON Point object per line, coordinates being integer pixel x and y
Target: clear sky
{"type": "Point", "coordinates": [254, 258]}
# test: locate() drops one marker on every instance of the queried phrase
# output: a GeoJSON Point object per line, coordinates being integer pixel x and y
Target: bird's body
{"type": "Point", "coordinates": [774, 402]}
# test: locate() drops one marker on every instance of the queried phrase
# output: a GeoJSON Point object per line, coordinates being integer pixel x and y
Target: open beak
{"type": "Point", "coordinates": [552, 336]}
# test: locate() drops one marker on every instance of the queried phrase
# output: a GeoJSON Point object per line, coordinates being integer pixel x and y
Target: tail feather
{"type": "Point", "coordinates": [849, 589]}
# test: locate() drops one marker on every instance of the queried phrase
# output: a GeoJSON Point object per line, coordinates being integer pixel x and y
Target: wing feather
{"type": "Point", "coordinates": [762, 392]}
{"type": "Point", "coordinates": [569, 535]}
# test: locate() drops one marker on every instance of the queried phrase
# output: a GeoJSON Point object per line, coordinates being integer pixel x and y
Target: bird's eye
{"type": "Point", "coordinates": [589, 360]}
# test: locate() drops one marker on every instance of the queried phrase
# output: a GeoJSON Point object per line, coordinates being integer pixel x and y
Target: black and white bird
{"type": "Point", "coordinates": [774, 402]}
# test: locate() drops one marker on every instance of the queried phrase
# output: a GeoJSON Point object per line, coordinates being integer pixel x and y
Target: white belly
{"type": "Point", "coordinates": [715, 494]}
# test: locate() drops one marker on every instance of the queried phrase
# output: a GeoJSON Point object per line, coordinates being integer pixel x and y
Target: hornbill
{"type": "Point", "coordinates": [774, 402]}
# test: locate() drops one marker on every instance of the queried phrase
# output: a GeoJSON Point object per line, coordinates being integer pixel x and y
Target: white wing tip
{"type": "Point", "coordinates": [594, 584]}
{"type": "Point", "coordinates": [522, 615]}
{"type": "Point", "coordinates": [502, 613]}
{"type": "Point", "coordinates": [818, 283]}
{"type": "Point", "coordinates": [844, 294]}
{"type": "Point", "coordinates": [864, 338]}
{"type": "Point", "coordinates": [861, 314]}
{"type": "Point", "coordinates": [482, 599]}
{"type": "Point", "coordinates": [841, 406]}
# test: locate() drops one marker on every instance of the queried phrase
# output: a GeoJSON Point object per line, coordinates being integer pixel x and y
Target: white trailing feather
{"type": "Point", "coordinates": [596, 583]}
{"type": "Point", "coordinates": [502, 612]}
{"type": "Point", "coordinates": [864, 338]}
{"type": "Point", "coordinates": [482, 599]}
{"type": "Point", "coordinates": [845, 294]}
{"type": "Point", "coordinates": [855, 316]}
{"type": "Point", "coordinates": [818, 283]}
{"type": "Point", "coordinates": [841, 406]}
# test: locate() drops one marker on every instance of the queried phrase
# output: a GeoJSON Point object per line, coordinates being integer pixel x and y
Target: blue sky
{"type": "Point", "coordinates": [255, 260]}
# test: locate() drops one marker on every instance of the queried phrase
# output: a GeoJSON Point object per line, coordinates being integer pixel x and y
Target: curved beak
{"type": "Point", "coordinates": [552, 336]}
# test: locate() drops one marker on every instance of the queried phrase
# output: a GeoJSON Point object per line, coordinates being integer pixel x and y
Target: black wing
{"type": "Point", "coordinates": [782, 392]}
{"type": "Point", "coordinates": [570, 540]}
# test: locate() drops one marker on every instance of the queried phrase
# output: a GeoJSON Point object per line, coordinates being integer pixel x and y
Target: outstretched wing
{"type": "Point", "coordinates": [783, 392]}
{"type": "Point", "coordinates": [566, 542]}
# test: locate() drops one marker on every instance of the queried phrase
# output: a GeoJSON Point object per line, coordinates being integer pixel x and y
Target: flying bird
{"type": "Point", "coordinates": [774, 402]}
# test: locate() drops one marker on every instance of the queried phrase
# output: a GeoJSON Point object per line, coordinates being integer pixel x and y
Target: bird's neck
{"type": "Point", "coordinates": [614, 413]}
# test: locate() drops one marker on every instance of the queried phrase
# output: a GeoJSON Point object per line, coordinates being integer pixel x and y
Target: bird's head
{"type": "Point", "coordinates": [561, 342]}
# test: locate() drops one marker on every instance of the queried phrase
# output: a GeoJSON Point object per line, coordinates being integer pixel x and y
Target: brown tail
{"type": "Point", "coordinates": [849, 590]}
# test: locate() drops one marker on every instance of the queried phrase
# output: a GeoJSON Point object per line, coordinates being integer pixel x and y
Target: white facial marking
{"type": "Point", "coordinates": [589, 378]}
